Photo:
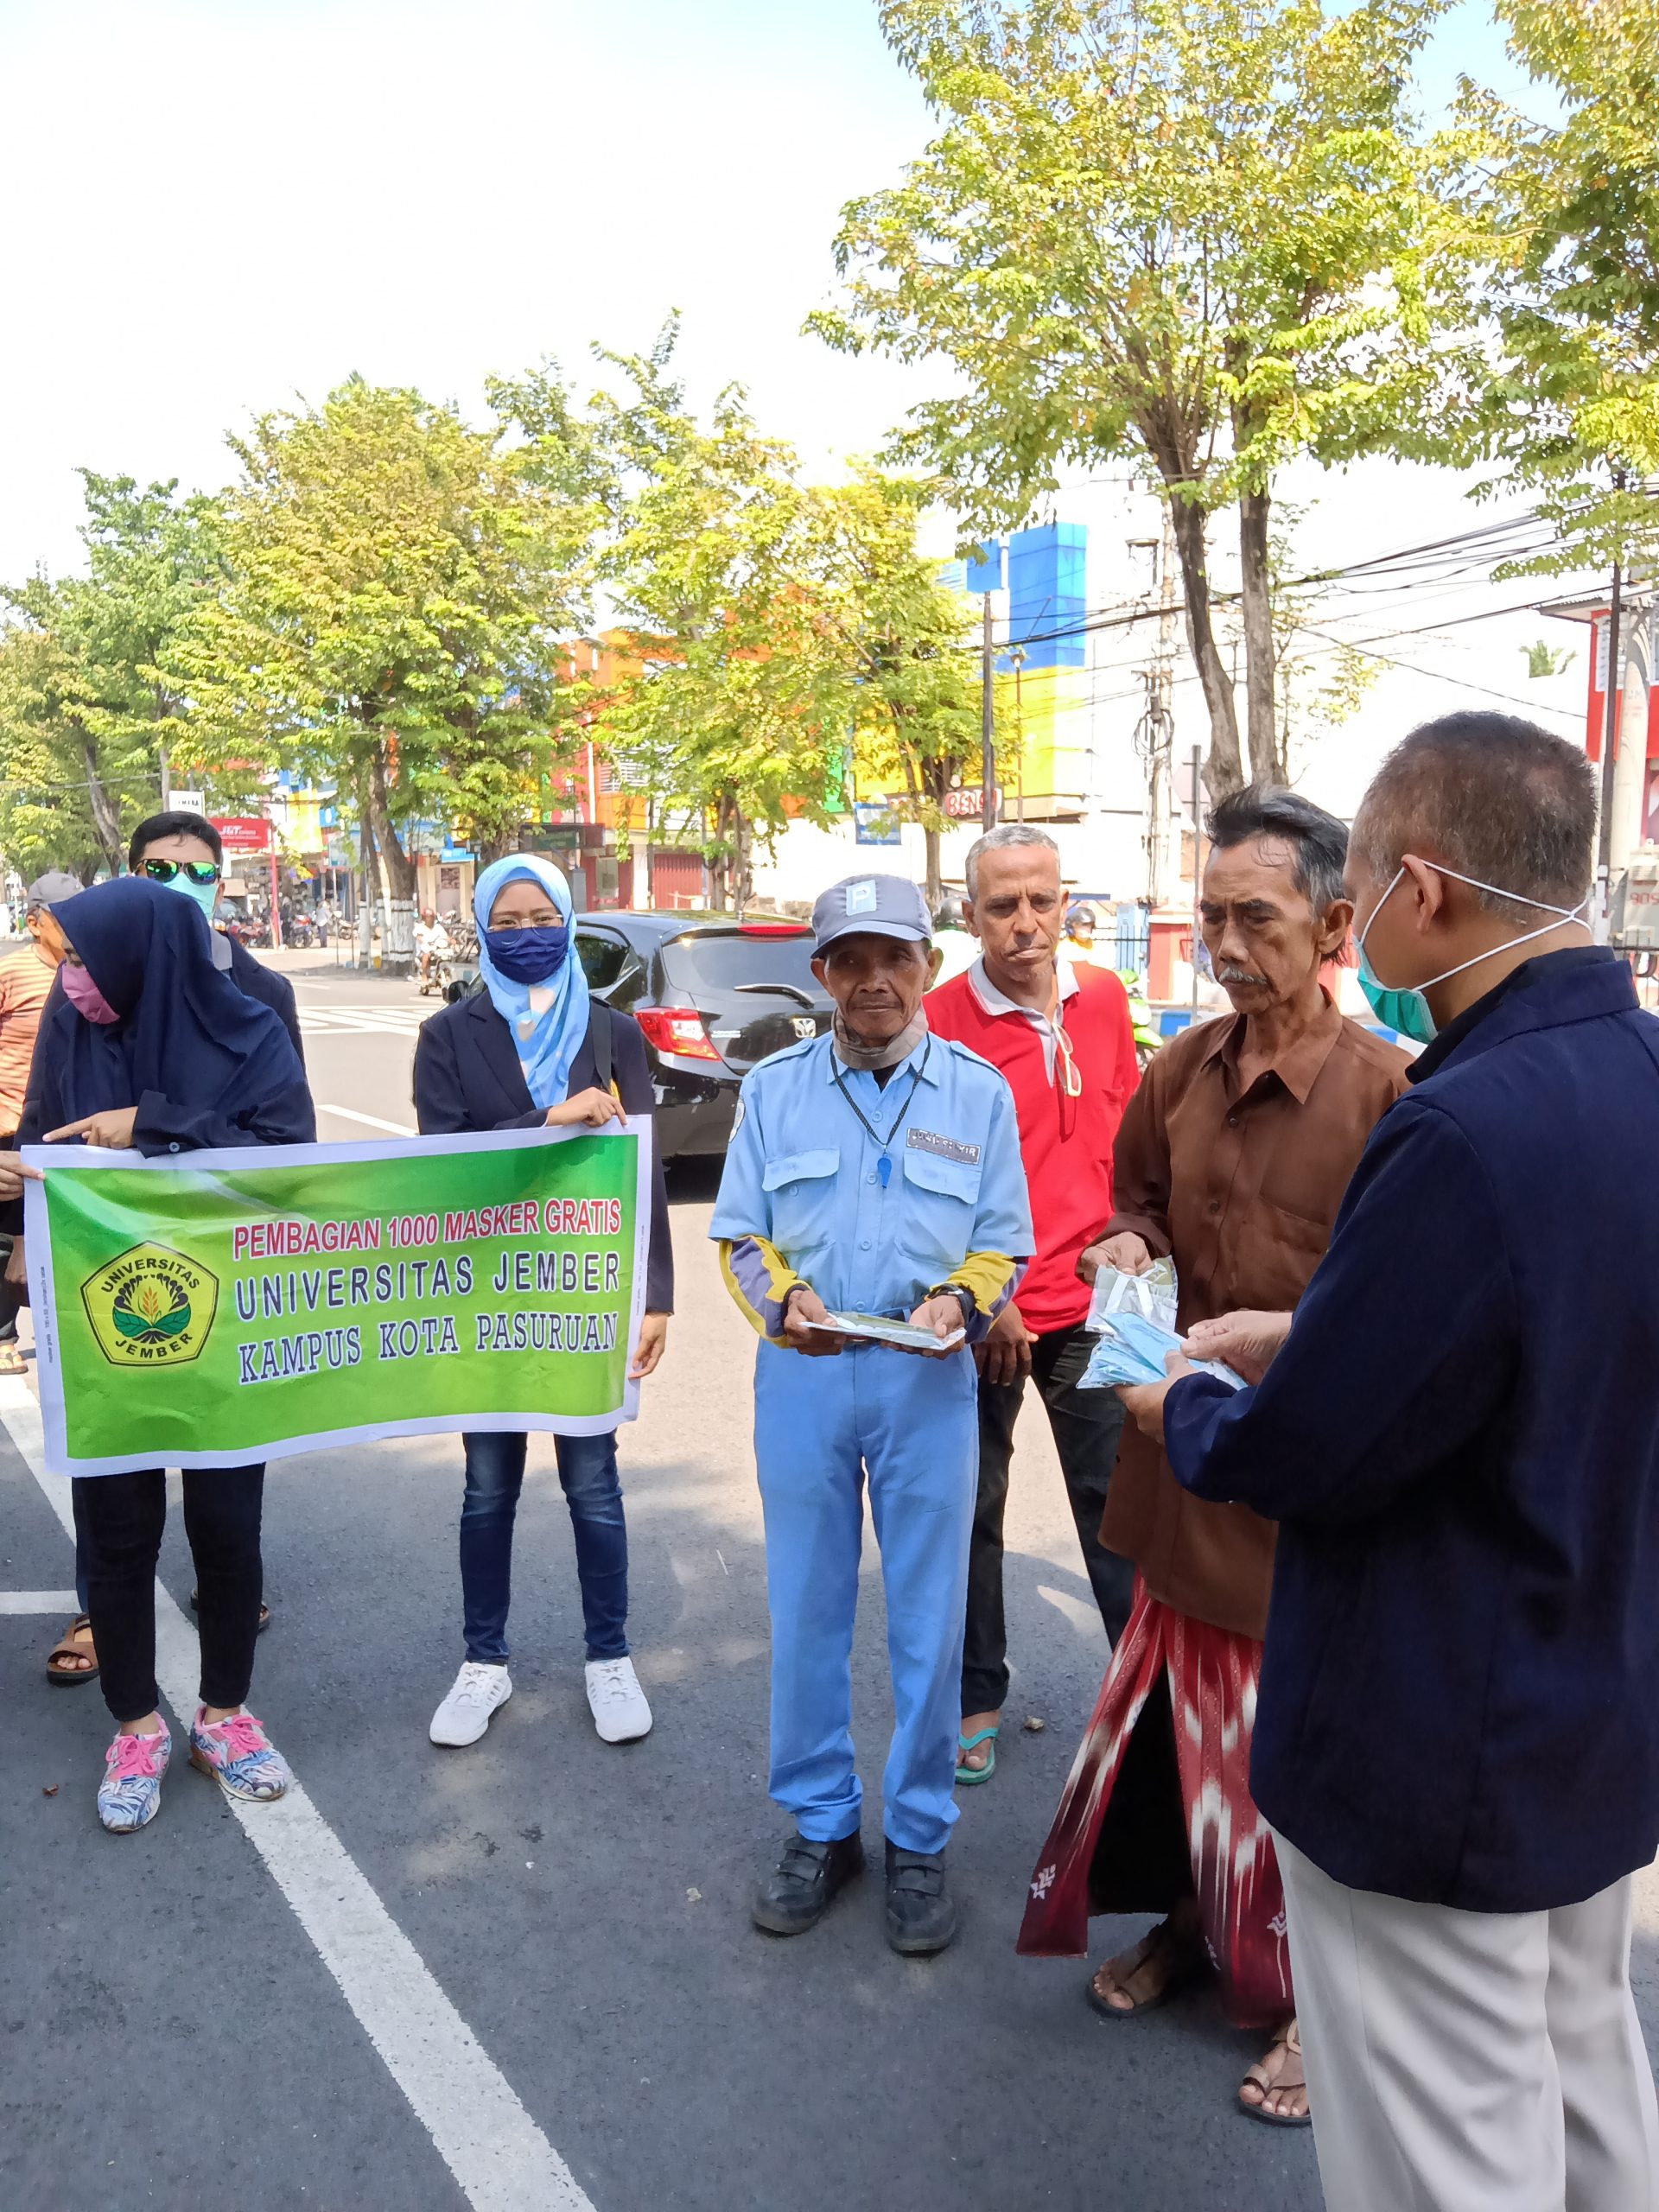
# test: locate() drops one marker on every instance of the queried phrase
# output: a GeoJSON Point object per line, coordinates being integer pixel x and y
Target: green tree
{"type": "Point", "coordinates": [900, 637]}
{"type": "Point", "coordinates": [1202, 235]}
{"type": "Point", "coordinates": [87, 704]}
{"type": "Point", "coordinates": [1571, 207]}
{"type": "Point", "coordinates": [737, 708]}
{"type": "Point", "coordinates": [400, 582]}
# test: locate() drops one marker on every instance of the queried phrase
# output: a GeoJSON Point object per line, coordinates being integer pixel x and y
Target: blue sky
{"type": "Point", "coordinates": [217, 204]}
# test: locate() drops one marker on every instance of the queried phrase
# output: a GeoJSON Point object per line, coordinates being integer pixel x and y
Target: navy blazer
{"type": "Point", "coordinates": [468, 1078]}
{"type": "Point", "coordinates": [1459, 1697]}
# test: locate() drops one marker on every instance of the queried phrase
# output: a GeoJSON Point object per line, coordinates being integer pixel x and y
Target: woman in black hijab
{"type": "Point", "coordinates": [152, 1047]}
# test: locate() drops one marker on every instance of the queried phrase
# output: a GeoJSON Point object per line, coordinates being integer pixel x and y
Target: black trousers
{"type": "Point", "coordinates": [1086, 1425]}
{"type": "Point", "coordinates": [118, 1523]}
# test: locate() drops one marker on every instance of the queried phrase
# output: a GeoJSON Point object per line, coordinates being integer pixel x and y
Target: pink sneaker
{"type": "Point", "coordinates": [129, 1796]}
{"type": "Point", "coordinates": [237, 1755]}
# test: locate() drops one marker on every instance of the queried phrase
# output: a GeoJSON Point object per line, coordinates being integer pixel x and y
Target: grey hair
{"type": "Point", "coordinates": [1005, 834]}
{"type": "Point", "coordinates": [1494, 797]}
{"type": "Point", "coordinates": [1318, 839]}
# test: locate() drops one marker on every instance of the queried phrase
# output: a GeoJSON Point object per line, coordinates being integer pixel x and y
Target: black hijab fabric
{"type": "Point", "coordinates": [185, 1030]}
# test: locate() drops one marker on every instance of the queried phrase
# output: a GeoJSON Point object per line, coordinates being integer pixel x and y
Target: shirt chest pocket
{"type": "Point", "coordinates": [801, 1186]}
{"type": "Point", "coordinates": [941, 1203]}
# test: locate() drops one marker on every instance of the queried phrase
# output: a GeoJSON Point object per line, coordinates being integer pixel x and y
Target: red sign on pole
{"type": "Point", "coordinates": [243, 833]}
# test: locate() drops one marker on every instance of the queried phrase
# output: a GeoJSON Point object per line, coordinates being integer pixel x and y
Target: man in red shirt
{"type": "Point", "coordinates": [1064, 1040]}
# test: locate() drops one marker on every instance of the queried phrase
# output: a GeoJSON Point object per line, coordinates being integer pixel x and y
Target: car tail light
{"type": "Point", "coordinates": [676, 1029]}
{"type": "Point", "coordinates": [773, 929]}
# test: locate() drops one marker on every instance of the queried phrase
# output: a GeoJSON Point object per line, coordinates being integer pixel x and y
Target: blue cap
{"type": "Point", "coordinates": [871, 906]}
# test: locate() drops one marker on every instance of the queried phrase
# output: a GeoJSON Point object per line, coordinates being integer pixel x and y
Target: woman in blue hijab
{"type": "Point", "coordinates": [152, 1047]}
{"type": "Point", "coordinates": [530, 1047]}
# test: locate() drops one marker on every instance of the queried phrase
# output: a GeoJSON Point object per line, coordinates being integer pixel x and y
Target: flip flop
{"type": "Point", "coordinates": [1291, 2075]}
{"type": "Point", "coordinates": [1189, 1964]}
{"type": "Point", "coordinates": [76, 1643]}
{"type": "Point", "coordinates": [967, 1775]}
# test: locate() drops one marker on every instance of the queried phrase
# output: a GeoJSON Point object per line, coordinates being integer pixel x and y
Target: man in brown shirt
{"type": "Point", "coordinates": [26, 975]}
{"type": "Point", "coordinates": [1232, 1158]}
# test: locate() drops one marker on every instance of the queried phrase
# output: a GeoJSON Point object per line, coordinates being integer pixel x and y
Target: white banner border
{"type": "Point", "coordinates": [87, 1159]}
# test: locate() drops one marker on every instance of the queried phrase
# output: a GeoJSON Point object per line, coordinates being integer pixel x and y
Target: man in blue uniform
{"type": "Point", "coordinates": [876, 1170]}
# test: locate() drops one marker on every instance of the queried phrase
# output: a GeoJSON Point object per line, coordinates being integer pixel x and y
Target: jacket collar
{"type": "Point", "coordinates": [1576, 984]}
{"type": "Point", "coordinates": [1299, 1064]}
{"type": "Point", "coordinates": [496, 1047]}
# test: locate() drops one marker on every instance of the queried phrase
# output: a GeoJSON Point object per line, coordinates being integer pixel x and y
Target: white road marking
{"type": "Point", "coordinates": [363, 1021]}
{"type": "Point", "coordinates": [368, 1121]}
{"type": "Point", "coordinates": [39, 1601]}
{"type": "Point", "coordinates": [499, 2158]}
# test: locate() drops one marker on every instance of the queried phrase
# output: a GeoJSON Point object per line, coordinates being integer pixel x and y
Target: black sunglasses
{"type": "Point", "coordinates": [198, 871]}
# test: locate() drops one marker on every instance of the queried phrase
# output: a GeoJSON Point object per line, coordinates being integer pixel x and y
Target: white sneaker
{"type": "Point", "coordinates": [621, 1714]}
{"type": "Point", "coordinates": [465, 1713]}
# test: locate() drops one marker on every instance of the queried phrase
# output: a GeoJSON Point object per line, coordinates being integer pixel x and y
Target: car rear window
{"type": "Point", "coordinates": [721, 962]}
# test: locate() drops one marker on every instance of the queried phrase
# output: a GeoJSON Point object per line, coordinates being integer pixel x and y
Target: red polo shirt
{"type": "Point", "coordinates": [1066, 1143]}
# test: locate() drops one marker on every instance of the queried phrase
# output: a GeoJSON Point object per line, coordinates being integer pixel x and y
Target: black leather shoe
{"type": "Point", "coordinates": [798, 1891]}
{"type": "Point", "coordinates": [920, 1917]}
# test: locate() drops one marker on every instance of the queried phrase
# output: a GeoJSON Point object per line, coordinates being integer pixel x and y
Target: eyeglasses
{"type": "Point", "coordinates": [1071, 1074]}
{"type": "Point", "coordinates": [164, 871]}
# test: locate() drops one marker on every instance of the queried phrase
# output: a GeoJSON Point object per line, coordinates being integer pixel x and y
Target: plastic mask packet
{"type": "Point", "coordinates": [1134, 1349]}
{"type": "Point", "coordinates": [1153, 1295]}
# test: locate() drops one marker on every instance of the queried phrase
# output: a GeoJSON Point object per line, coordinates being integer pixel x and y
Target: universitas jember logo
{"type": "Point", "coordinates": [150, 1308]}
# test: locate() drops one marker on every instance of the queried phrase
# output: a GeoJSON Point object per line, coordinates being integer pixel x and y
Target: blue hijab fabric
{"type": "Point", "coordinates": [185, 1030]}
{"type": "Point", "coordinates": [546, 1042]}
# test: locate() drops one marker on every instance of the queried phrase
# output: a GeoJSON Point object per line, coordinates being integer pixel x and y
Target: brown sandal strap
{"type": "Point", "coordinates": [73, 1644]}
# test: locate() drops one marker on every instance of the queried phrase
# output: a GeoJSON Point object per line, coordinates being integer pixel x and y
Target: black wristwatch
{"type": "Point", "coordinates": [965, 1298]}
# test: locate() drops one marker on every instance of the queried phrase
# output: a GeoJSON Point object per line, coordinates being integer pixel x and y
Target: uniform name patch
{"type": "Point", "coordinates": [946, 1147]}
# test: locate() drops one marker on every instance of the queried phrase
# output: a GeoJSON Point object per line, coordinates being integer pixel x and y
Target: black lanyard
{"type": "Point", "coordinates": [884, 1164]}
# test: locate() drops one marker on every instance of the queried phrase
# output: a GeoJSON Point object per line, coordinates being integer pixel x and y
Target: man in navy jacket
{"type": "Point", "coordinates": [1458, 1735]}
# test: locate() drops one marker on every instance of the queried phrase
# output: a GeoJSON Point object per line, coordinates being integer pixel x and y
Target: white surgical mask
{"type": "Point", "coordinates": [1407, 1010]}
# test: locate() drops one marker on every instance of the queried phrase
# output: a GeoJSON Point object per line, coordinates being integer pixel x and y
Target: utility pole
{"type": "Point", "coordinates": [986, 723]}
{"type": "Point", "coordinates": [1198, 869]}
{"type": "Point", "coordinates": [1018, 657]}
{"type": "Point", "coordinates": [1609, 736]}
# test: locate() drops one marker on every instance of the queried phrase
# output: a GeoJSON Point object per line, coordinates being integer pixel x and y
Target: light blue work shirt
{"type": "Point", "coordinates": [803, 1172]}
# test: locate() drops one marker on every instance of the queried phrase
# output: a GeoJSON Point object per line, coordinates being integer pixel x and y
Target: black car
{"type": "Point", "coordinates": [713, 995]}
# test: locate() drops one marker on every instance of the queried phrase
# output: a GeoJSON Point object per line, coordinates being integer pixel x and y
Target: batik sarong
{"type": "Point", "coordinates": [1212, 1675]}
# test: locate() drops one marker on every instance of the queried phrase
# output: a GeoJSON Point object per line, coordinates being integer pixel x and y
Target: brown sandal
{"type": "Point", "coordinates": [1188, 1963]}
{"type": "Point", "coordinates": [1288, 2074]}
{"type": "Point", "coordinates": [12, 1361]}
{"type": "Point", "coordinates": [76, 1643]}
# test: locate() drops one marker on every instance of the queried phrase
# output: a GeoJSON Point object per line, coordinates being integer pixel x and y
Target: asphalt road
{"type": "Point", "coordinates": [186, 2023]}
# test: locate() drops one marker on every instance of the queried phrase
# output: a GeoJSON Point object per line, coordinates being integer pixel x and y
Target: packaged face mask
{"type": "Point", "coordinates": [1153, 1295]}
{"type": "Point", "coordinates": [1134, 1349]}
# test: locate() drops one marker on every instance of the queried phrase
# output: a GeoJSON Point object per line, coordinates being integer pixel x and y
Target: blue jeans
{"type": "Point", "coordinates": [495, 1474]}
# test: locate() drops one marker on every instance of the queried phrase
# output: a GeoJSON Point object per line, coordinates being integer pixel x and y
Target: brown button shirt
{"type": "Point", "coordinates": [1243, 1189]}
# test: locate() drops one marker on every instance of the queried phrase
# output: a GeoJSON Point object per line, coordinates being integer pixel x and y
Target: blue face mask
{"type": "Point", "coordinates": [533, 955]}
{"type": "Point", "coordinates": [205, 895]}
{"type": "Point", "coordinates": [1408, 1011]}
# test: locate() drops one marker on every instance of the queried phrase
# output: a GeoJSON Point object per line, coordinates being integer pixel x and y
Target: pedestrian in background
{"type": "Point", "coordinates": [1457, 1740]}
{"type": "Point", "coordinates": [26, 977]}
{"type": "Point", "coordinates": [875, 1168]}
{"type": "Point", "coordinates": [152, 1046]}
{"type": "Point", "coordinates": [1232, 1158]}
{"type": "Point", "coordinates": [1065, 1043]}
{"type": "Point", "coordinates": [532, 1049]}
{"type": "Point", "coordinates": [183, 852]}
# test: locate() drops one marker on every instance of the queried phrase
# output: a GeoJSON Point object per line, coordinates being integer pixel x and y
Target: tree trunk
{"type": "Point", "coordinates": [370, 861]}
{"type": "Point", "coordinates": [106, 820]}
{"type": "Point", "coordinates": [1267, 759]}
{"type": "Point", "coordinates": [742, 859]}
{"type": "Point", "coordinates": [935, 878]}
{"type": "Point", "coordinates": [397, 951]}
{"type": "Point", "coordinates": [1223, 773]}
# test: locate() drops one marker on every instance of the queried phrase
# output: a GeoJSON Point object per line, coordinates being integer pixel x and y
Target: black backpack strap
{"type": "Point", "coordinates": [599, 1036]}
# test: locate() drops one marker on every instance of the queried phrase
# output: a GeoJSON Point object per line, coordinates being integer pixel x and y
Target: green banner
{"type": "Point", "coordinates": [224, 1307]}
